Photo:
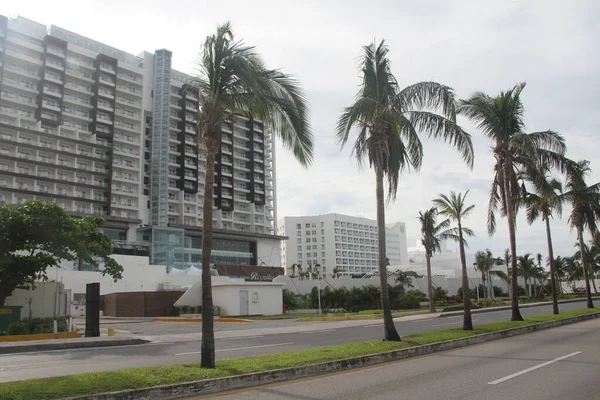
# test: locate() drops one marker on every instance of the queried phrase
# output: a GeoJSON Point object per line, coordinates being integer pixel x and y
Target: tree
{"type": "Point", "coordinates": [541, 203]}
{"type": "Point", "coordinates": [432, 234]}
{"type": "Point", "coordinates": [591, 254]}
{"type": "Point", "coordinates": [454, 207]}
{"type": "Point", "coordinates": [37, 235]}
{"type": "Point", "coordinates": [234, 81]}
{"type": "Point", "coordinates": [293, 268]}
{"type": "Point", "coordinates": [507, 261]}
{"type": "Point", "coordinates": [404, 278]}
{"type": "Point", "coordinates": [500, 119]}
{"type": "Point", "coordinates": [485, 263]}
{"type": "Point", "coordinates": [585, 204]}
{"type": "Point", "coordinates": [337, 272]}
{"type": "Point", "coordinates": [389, 120]}
{"type": "Point", "coordinates": [528, 269]}
{"type": "Point", "coordinates": [560, 270]}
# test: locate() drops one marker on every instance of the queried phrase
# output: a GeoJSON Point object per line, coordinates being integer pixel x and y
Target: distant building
{"type": "Point", "coordinates": [335, 240]}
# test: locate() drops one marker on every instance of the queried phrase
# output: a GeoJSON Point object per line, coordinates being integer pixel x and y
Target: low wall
{"type": "Point", "coordinates": [48, 299]}
{"type": "Point", "coordinates": [140, 304]}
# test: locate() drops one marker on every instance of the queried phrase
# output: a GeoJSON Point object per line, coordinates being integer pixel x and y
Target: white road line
{"type": "Point", "coordinates": [423, 320]}
{"type": "Point", "coordinates": [239, 348]}
{"type": "Point", "coordinates": [321, 330]}
{"type": "Point", "coordinates": [497, 381]}
{"type": "Point", "coordinates": [243, 337]}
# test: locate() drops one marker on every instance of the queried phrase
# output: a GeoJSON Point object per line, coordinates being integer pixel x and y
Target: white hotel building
{"type": "Point", "coordinates": [342, 241]}
{"type": "Point", "coordinates": [101, 131]}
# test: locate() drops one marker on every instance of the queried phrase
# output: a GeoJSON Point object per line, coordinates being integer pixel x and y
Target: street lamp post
{"type": "Point", "coordinates": [318, 268]}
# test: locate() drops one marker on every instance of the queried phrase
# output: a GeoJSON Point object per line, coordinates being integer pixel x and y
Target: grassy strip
{"type": "Point", "coordinates": [98, 382]}
{"type": "Point", "coordinates": [316, 317]}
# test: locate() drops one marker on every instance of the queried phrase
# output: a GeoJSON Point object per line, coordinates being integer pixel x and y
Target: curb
{"type": "Point", "coordinates": [35, 347]}
{"type": "Point", "coordinates": [38, 336]}
{"type": "Point", "coordinates": [212, 386]}
{"type": "Point", "coordinates": [506, 308]}
{"type": "Point", "coordinates": [166, 319]}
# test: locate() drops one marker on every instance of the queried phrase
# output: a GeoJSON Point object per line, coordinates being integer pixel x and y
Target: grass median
{"type": "Point", "coordinates": [99, 382]}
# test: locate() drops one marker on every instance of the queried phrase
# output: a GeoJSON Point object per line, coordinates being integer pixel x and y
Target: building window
{"type": "Point", "coordinates": [298, 226]}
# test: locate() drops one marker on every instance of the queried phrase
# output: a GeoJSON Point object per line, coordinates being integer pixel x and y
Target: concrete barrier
{"type": "Point", "coordinates": [211, 386]}
{"type": "Point", "coordinates": [39, 336]}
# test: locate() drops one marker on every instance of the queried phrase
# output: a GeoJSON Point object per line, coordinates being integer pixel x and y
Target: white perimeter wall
{"type": "Point", "coordinates": [268, 251]}
{"type": "Point", "coordinates": [49, 300]}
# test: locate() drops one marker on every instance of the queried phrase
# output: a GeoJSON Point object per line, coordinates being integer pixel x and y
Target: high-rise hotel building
{"type": "Point", "coordinates": [100, 131]}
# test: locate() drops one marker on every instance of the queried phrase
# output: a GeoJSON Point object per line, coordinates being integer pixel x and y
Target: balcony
{"type": "Point", "coordinates": [53, 79]}
{"type": "Point", "coordinates": [107, 68]}
{"type": "Point", "coordinates": [53, 93]}
{"type": "Point", "coordinates": [55, 51]}
{"type": "Point", "coordinates": [20, 56]}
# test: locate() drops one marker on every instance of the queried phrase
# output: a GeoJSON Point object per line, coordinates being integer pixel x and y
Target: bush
{"type": "Point", "coordinates": [440, 294]}
{"type": "Point", "coordinates": [411, 299]}
{"type": "Point", "coordinates": [31, 326]}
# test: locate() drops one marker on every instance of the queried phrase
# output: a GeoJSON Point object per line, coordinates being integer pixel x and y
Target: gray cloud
{"type": "Point", "coordinates": [467, 44]}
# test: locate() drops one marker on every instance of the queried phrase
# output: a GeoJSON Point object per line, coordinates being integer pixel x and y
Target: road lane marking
{"type": "Point", "coordinates": [321, 330]}
{"type": "Point", "coordinates": [423, 320]}
{"type": "Point", "coordinates": [239, 348]}
{"type": "Point", "coordinates": [497, 381]}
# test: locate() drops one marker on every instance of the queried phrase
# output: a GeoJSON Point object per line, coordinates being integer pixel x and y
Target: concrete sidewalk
{"type": "Point", "coordinates": [65, 344]}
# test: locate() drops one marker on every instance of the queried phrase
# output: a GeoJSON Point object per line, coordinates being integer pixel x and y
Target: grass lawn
{"type": "Point", "coordinates": [317, 317]}
{"type": "Point", "coordinates": [90, 383]}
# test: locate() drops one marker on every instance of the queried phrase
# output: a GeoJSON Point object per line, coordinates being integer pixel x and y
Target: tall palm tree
{"type": "Point", "coordinates": [388, 120]}
{"type": "Point", "coordinates": [585, 203]}
{"type": "Point", "coordinates": [432, 233]}
{"type": "Point", "coordinates": [455, 208]}
{"type": "Point", "coordinates": [234, 81]}
{"type": "Point", "coordinates": [500, 119]}
{"type": "Point", "coordinates": [507, 261]}
{"type": "Point", "coordinates": [544, 200]}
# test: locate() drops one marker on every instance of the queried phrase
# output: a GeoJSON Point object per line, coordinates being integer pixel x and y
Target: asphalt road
{"type": "Point", "coordinates": [560, 363]}
{"type": "Point", "coordinates": [238, 342]}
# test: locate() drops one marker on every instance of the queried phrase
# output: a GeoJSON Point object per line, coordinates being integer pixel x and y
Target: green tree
{"type": "Point", "coordinates": [485, 263]}
{"type": "Point", "coordinates": [541, 202]}
{"type": "Point", "coordinates": [389, 120]}
{"type": "Point", "coordinates": [500, 119]}
{"type": "Point", "coordinates": [404, 278]}
{"type": "Point", "coordinates": [560, 271]}
{"type": "Point", "coordinates": [585, 210]}
{"type": "Point", "coordinates": [455, 208]}
{"type": "Point", "coordinates": [591, 254]}
{"type": "Point", "coordinates": [432, 233]}
{"type": "Point", "coordinates": [528, 269]}
{"type": "Point", "coordinates": [234, 81]}
{"type": "Point", "coordinates": [36, 235]}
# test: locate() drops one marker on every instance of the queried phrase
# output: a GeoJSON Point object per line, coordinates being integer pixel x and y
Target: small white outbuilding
{"type": "Point", "coordinates": [238, 297]}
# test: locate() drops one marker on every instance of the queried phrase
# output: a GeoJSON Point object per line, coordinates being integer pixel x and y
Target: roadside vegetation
{"type": "Point", "coordinates": [108, 381]}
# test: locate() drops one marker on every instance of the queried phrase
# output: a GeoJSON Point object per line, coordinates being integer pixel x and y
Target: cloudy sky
{"type": "Point", "coordinates": [469, 45]}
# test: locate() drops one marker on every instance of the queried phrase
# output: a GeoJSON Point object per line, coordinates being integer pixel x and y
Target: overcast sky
{"type": "Point", "coordinates": [469, 45]}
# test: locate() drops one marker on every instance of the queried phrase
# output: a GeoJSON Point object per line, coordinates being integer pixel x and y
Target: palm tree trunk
{"type": "Point", "coordinates": [429, 282]}
{"type": "Point", "coordinates": [552, 269]}
{"type": "Point", "coordinates": [390, 332]}
{"type": "Point", "coordinates": [207, 354]}
{"type": "Point", "coordinates": [593, 283]}
{"type": "Point", "coordinates": [508, 284]}
{"type": "Point", "coordinates": [491, 285]}
{"type": "Point", "coordinates": [467, 320]}
{"type": "Point", "coordinates": [588, 292]}
{"type": "Point", "coordinates": [516, 314]}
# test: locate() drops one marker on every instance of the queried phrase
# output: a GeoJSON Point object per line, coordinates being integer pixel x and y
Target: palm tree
{"type": "Point", "coordinates": [389, 120]}
{"type": "Point", "coordinates": [337, 272]}
{"type": "Point", "coordinates": [432, 234]}
{"type": "Point", "coordinates": [507, 261]}
{"type": "Point", "coordinates": [585, 203]}
{"type": "Point", "coordinates": [485, 263]}
{"type": "Point", "coordinates": [573, 270]}
{"type": "Point", "coordinates": [560, 270]}
{"type": "Point", "coordinates": [528, 269]}
{"type": "Point", "coordinates": [501, 120]}
{"type": "Point", "coordinates": [234, 81]}
{"type": "Point", "coordinates": [542, 202]}
{"type": "Point", "coordinates": [404, 278]}
{"type": "Point", "coordinates": [591, 253]}
{"type": "Point", "coordinates": [293, 268]}
{"type": "Point", "coordinates": [455, 209]}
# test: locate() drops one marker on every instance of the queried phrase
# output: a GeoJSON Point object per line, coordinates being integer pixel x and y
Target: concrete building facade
{"type": "Point", "coordinates": [344, 242]}
{"type": "Point", "coordinates": [103, 132]}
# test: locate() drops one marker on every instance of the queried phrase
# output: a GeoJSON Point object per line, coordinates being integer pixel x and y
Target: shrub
{"type": "Point", "coordinates": [411, 299]}
{"type": "Point", "coordinates": [30, 326]}
{"type": "Point", "coordinates": [370, 312]}
{"type": "Point", "coordinates": [440, 294]}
